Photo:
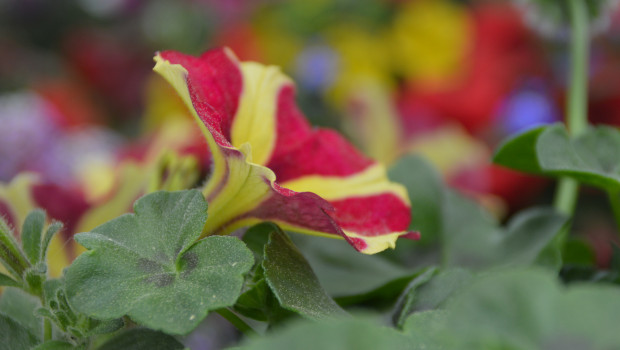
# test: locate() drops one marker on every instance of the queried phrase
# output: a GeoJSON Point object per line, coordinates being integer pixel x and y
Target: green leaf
{"type": "Point", "coordinates": [56, 345]}
{"type": "Point", "coordinates": [591, 158]}
{"type": "Point", "coordinates": [7, 281]}
{"type": "Point", "coordinates": [519, 151]}
{"type": "Point", "coordinates": [21, 306]}
{"type": "Point", "coordinates": [424, 328]}
{"type": "Point", "coordinates": [149, 266]}
{"type": "Point", "coordinates": [344, 272]}
{"type": "Point", "coordinates": [404, 304]}
{"type": "Point", "coordinates": [52, 229]}
{"type": "Point", "coordinates": [463, 233]}
{"type": "Point", "coordinates": [14, 335]}
{"type": "Point", "coordinates": [425, 190]}
{"type": "Point", "coordinates": [292, 280]}
{"type": "Point", "coordinates": [358, 334]}
{"type": "Point", "coordinates": [142, 339]}
{"type": "Point", "coordinates": [257, 301]}
{"type": "Point", "coordinates": [11, 255]}
{"type": "Point", "coordinates": [473, 238]}
{"type": "Point", "coordinates": [31, 235]}
{"type": "Point", "coordinates": [429, 291]}
{"type": "Point", "coordinates": [525, 309]}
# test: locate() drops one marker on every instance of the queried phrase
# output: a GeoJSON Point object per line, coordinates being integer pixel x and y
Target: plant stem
{"type": "Point", "coordinates": [576, 103]}
{"type": "Point", "coordinates": [47, 329]}
{"type": "Point", "coordinates": [236, 321]}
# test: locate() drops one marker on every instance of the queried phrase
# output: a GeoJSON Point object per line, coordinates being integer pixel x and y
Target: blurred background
{"type": "Point", "coordinates": [445, 79]}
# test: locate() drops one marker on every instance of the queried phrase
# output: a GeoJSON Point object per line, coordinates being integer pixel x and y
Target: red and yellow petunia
{"type": "Point", "coordinates": [257, 135]}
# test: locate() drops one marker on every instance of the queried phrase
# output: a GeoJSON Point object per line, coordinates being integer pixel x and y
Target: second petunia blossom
{"type": "Point", "coordinates": [269, 164]}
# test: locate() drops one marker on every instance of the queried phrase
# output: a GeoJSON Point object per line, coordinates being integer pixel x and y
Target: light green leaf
{"type": "Point", "coordinates": [429, 291]}
{"type": "Point", "coordinates": [338, 334]}
{"type": "Point", "coordinates": [592, 158]}
{"type": "Point", "coordinates": [14, 335]}
{"type": "Point", "coordinates": [31, 235]}
{"type": "Point", "coordinates": [425, 190]}
{"type": "Point", "coordinates": [20, 306]}
{"type": "Point", "coordinates": [473, 238]}
{"type": "Point", "coordinates": [525, 309]}
{"type": "Point", "coordinates": [142, 339]}
{"type": "Point", "coordinates": [292, 280]}
{"type": "Point", "coordinates": [52, 229]}
{"type": "Point", "coordinates": [149, 266]}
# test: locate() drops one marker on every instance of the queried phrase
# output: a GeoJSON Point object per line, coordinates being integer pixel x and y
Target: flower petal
{"type": "Point", "coordinates": [249, 118]}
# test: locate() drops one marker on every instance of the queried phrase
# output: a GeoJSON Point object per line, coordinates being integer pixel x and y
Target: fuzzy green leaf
{"type": "Point", "coordinates": [292, 280]}
{"type": "Point", "coordinates": [14, 335]}
{"type": "Point", "coordinates": [21, 307]}
{"type": "Point", "coordinates": [149, 266]}
{"type": "Point", "coordinates": [52, 229]}
{"type": "Point", "coordinates": [32, 231]}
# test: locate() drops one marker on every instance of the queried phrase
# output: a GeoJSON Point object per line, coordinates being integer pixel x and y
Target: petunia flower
{"type": "Point", "coordinates": [167, 162]}
{"type": "Point", "coordinates": [270, 164]}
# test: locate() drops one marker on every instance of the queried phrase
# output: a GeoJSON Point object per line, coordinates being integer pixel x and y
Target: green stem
{"type": "Point", "coordinates": [614, 200]}
{"type": "Point", "coordinates": [47, 329]}
{"type": "Point", "coordinates": [236, 321]}
{"type": "Point", "coordinates": [576, 103]}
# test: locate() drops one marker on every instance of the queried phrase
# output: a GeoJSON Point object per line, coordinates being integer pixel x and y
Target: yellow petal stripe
{"type": "Point", "coordinates": [371, 181]}
{"type": "Point", "coordinates": [255, 121]}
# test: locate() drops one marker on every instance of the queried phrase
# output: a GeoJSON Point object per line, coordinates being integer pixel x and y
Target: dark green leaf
{"type": "Point", "coordinates": [31, 235]}
{"type": "Point", "coordinates": [519, 152]}
{"type": "Point", "coordinates": [7, 281]}
{"type": "Point", "coordinates": [292, 280]}
{"type": "Point", "coordinates": [21, 307]}
{"type": "Point", "coordinates": [14, 335]}
{"type": "Point", "coordinates": [591, 158]}
{"type": "Point", "coordinates": [142, 339]}
{"type": "Point", "coordinates": [257, 300]}
{"type": "Point", "coordinates": [149, 266]}
{"type": "Point", "coordinates": [358, 334]}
